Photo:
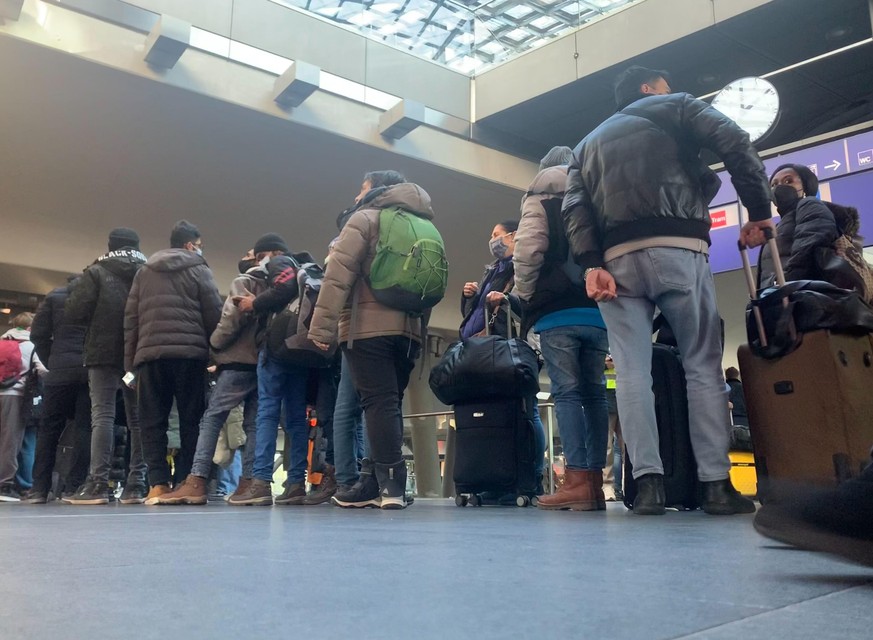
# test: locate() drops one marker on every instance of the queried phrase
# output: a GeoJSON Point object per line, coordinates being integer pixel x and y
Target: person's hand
{"type": "Point", "coordinates": [494, 299]}
{"type": "Point", "coordinates": [752, 233]}
{"type": "Point", "coordinates": [600, 286]}
{"type": "Point", "coordinates": [470, 289]}
{"type": "Point", "coordinates": [244, 303]}
{"type": "Point", "coordinates": [321, 345]}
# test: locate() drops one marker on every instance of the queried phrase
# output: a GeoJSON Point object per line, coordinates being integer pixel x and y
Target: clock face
{"type": "Point", "coordinates": [752, 103]}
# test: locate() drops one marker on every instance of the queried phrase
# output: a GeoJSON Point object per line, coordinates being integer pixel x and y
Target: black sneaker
{"type": "Point", "coordinates": [364, 493]}
{"type": "Point", "coordinates": [134, 493]}
{"type": "Point", "coordinates": [34, 496]}
{"type": "Point", "coordinates": [92, 492]}
{"type": "Point", "coordinates": [8, 493]}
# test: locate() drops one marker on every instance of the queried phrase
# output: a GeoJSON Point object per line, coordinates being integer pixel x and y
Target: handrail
{"type": "Point", "coordinates": [548, 422]}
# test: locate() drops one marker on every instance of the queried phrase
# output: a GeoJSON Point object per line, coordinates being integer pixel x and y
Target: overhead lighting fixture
{"type": "Point", "coordinates": [167, 42]}
{"type": "Point", "coordinates": [298, 82]}
{"type": "Point", "coordinates": [6, 310]}
{"type": "Point", "coordinates": [401, 119]}
{"type": "Point", "coordinates": [11, 9]}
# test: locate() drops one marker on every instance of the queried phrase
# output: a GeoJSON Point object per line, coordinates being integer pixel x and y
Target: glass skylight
{"type": "Point", "coordinates": [465, 35]}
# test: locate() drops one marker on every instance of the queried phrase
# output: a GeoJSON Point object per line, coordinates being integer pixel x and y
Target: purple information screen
{"type": "Point", "coordinates": [841, 165]}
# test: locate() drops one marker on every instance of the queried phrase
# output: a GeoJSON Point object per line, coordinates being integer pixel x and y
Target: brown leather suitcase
{"type": "Point", "coordinates": [811, 410]}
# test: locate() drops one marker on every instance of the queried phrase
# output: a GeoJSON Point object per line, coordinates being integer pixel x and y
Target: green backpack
{"type": "Point", "coordinates": [410, 271]}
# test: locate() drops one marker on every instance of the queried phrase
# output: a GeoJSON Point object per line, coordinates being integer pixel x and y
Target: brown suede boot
{"type": "Point", "coordinates": [577, 493]}
{"type": "Point", "coordinates": [597, 479]}
{"type": "Point", "coordinates": [192, 491]}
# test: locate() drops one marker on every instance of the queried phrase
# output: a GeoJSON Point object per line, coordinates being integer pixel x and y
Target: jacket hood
{"type": "Point", "coordinates": [408, 196]}
{"type": "Point", "coordinates": [550, 181]}
{"type": "Point", "coordinates": [174, 260]}
{"type": "Point", "coordinates": [17, 334]}
{"type": "Point", "coordinates": [123, 263]}
{"type": "Point", "coordinates": [303, 257]}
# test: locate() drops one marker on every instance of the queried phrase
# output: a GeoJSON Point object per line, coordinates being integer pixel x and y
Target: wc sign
{"type": "Point", "coordinates": [865, 158]}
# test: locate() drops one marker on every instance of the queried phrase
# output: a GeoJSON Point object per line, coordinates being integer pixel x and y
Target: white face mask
{"type": "Point", "coordinates": [198, 251]}
{"type": "Point", "coordinates": [264, 261]}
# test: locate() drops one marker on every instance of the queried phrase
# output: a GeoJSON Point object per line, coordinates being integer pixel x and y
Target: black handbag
{"type": "Point", "coordinates": [486, 367]}
{"type": "Point", "coordinates": [801, 306]}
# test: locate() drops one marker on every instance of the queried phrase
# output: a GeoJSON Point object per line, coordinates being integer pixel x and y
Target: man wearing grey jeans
{"type": "Point", "coordinates": [637, 220]}
{"type": "Point", "coordinates": [97, 301]}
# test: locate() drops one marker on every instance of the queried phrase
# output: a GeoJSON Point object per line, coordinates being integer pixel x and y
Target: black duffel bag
{"type": "Point", "coordinates": [801, 306]}
{"type": "Point", "coordinates": [486, 367]}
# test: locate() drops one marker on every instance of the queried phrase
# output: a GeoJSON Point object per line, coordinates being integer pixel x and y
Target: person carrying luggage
{"type": "Point", "coordinates": [817, 240]}
{"type": "Point", "coordinates": [493, 292]}
{"type": "Point", "coordinates": [637, 220]}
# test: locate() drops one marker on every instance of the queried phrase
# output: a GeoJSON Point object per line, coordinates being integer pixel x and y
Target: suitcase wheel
{"type": "Point", "coordinates": [522, 501]}
{"type": "Point", "coordinates": [476, 500]}
{"type": "Point", "coordinates": [460, 500]}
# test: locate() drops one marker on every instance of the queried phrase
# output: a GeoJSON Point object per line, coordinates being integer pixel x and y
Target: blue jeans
{"type": "Point", "coordinates": [277, 383]}
{"type": "Point", "coordinates": [539, 439]}
{"type": "Point", "coordinates": [679, 283]}
{"type": "Point", "coordinates": [574, 358]}
{"type": "Point", "coordinates": [26, 455]}
{"type": "Point", "coordinates": [231, 389]}
{"type": "Point", "coordinates": [228, 479]}
{"type": "Point", "coordinates": [349, 443]}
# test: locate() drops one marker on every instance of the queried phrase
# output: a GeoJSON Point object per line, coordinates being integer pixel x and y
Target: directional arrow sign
{"type": "Point", "coordinates": [833, 166]}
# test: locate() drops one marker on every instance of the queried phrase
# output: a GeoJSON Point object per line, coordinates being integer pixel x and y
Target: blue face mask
{"type": "Point", "coordinates": [498, 247]}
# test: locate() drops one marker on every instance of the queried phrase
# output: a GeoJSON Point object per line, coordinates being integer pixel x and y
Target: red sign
{"type": "Point", "coordinates": [719, 218]}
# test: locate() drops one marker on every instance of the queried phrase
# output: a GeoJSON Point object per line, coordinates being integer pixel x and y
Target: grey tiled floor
{"type": "Point", "coordinates": [432, 571]}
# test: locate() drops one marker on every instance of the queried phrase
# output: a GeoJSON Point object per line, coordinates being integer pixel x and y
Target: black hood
{"type": "Point", "coordinates": [371, 195]}
{"type": "Point", "coordinates": [123, 263]}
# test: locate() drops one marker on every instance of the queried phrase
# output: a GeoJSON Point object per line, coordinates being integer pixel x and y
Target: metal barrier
{"type": "Point", "coordinates": [428, 483]}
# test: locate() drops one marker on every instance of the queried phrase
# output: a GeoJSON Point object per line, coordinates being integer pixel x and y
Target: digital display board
{"type": "Point", "coordinates": [842, 166]}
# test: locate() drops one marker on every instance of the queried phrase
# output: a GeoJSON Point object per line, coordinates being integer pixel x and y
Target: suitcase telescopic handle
{"type": "Point", "coordinates": [770, 236]}
{"type": "Point", "coordinates": [510, 317]}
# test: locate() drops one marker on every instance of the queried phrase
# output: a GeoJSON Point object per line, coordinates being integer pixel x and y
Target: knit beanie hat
{"type": "Point", "coordinates": [271, 242]}
{"type": "Point", "coordinates": [807, 177]}
{"type": "Point", "coordinates": [121, 237]}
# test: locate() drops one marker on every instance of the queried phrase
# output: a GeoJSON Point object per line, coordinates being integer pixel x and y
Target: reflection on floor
{"type": "Point", "coordinates": [431, 571]}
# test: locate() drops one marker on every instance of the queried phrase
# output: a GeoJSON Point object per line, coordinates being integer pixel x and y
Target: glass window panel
{"type": "Point", "coordinates": [465, 35]}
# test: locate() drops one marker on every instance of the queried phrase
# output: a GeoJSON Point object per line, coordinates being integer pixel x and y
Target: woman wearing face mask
{"type": "Point", "coordinates": [806, 224]}
{"type": "Point", "coordinates": [494, 286]}
{"type": "Point", "coordinates": [493, 290]}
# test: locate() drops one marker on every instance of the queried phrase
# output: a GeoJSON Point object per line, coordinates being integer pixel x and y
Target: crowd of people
{"type": "Point", "coordinates": [609, 232]}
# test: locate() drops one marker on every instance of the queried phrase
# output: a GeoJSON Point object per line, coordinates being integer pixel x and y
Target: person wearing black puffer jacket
{"type": "Point", "coordinates": [173, 308]}
{"type": "Point", "coordinates": [808, 225]}
{"type": "Point", "coordinates": [61, 345]}
{"type": "Point", "coordinates": [637, 220]}
{"type": "Point", "coordinates": [97, 301]}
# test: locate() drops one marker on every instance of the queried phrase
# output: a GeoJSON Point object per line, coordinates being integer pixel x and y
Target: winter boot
{"type": "Point", "coordinates": [392, 484]}
{"type": "Point", "coordinates": [578, 492]}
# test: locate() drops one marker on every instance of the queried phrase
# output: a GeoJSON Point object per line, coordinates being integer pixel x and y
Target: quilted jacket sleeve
{"type": "Point", "coordinates": [343, 271]}
{"type": "Point", "coordinates": [531, 244]}
{"type": "Point", "coordinates": [815, 227]}
{"type": "Point", "coordinates": [580, 221]}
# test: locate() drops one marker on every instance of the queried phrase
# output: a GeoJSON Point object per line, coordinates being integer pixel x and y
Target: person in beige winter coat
{"type": "Point", "coordinates": [379, 342]}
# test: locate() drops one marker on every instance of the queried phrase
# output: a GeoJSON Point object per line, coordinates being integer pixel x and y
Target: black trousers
{"type": "Point", "coordinates": [158, 384]}
{"type": "Point", "coordinates": [63, 403]}
{"type": "Point", "coordinates": [380, 369]}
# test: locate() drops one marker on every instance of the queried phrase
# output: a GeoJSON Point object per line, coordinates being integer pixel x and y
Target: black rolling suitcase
{"type": "Point", "coordinates": [671, 411]}
{"type": "Point", "coordinates": [495, 452]}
